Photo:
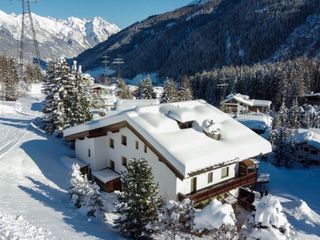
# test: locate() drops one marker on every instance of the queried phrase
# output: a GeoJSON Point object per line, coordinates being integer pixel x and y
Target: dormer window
{"type": "Point", "coordinates": [185, 125]}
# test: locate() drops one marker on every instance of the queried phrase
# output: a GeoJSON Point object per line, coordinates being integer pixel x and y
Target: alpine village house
{"type": "Point", "coordinates": [195, 150]}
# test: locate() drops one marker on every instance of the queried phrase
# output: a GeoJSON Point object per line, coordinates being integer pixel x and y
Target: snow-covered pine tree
{"type": "Point", "coordinates": [145, 89]}
{"type": "Point", "coordinates": [177, 217]}
{"type": "Point", "coordinates": [81, 96]}
{"type": "Point", "coordinates": [138, 203]}
{"type": "Point", "coordinates": [170, 93]}
{"type": "Point", "coordinates": [294, 116]}
{"type": "Point", "coordinates": [185, 91]}
{"type": "Point", "coordinates": [11, 80]}
{"type": "Point", "coordinates": [124, 94]}
{"type": "Point", "coordinates": [85, 194]}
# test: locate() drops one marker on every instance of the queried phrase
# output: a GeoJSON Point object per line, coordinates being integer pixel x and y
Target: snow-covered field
{"type": "Point", "coordinates": [34, 182]}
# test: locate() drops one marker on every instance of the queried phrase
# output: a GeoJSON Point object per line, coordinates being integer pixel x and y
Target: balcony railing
{"type": "Point", "coordinates": [220, 188]}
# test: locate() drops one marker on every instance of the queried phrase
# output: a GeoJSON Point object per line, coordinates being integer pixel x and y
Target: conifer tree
{"type": "Point", "coordinates": [294, 116]}
{"type": "Point", "coordinates": [85, 194]}
{"type": "Point", "coordinates": [145, 89]}
{"type": "Point", "coordinates": [185, 91]}
{"type": "Point", "coordinates": [124, 94]}
{"type": "Point", "coordinates": [170, 93]}
{"type": "Point", "coordinates": [138, 203]}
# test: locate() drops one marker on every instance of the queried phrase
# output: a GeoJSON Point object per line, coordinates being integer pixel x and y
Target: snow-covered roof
{"type": "Point", "coordinates": [247, 101]}
{"type": "Point", "coordinates": [126, 104]}
{"type": "Point", "coordinates": [94, 86]}
{"type": "Point", "coordinates": [310, 137]}
{"type": "Point", "coordinates": [187, 150]}
{"type": "Point", "coordinates": [312, 95]}
{"type": "Point", "coordinates": [106, 175]}
{"type": "Point", "coordinates": [258, 121]}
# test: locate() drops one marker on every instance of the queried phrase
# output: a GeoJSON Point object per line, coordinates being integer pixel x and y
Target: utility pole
{"type": "Point", "coordinates": [27, 27]}
{"type": "Point", "coordinates": [106, 62]}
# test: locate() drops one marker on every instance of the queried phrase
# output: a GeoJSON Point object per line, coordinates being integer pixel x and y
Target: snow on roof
{"type": "Point", "coordinates": [245, 100]}
{"type": "Point", "coordinates": [312, 95]}
{"type": "Point", "coordinates": [94, 86]}
{"type": "Point", "coordinates": [126, 104]}
{"type": "Point", "coordinates": [188, 150]}
{"type": "Point", "coordinates": [257, 121]}
{"type": "Point", "coordinates": [106, 175]}
{"type": "Point", "coordinates": [309, 136]}
{"type": "Point", "coordinates": [69, 161]}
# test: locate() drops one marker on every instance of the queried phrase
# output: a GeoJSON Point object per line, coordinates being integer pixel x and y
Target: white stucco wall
{"type": "Point", "coordinates": [101, 154]}
{"type": "Point", "coordinates": [169, 184]}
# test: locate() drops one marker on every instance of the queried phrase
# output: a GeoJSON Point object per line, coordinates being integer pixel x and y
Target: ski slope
{"type": "Point", "coordinates": [33, 181]}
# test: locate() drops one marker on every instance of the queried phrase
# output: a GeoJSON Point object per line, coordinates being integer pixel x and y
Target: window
{"type": "Point", "coordinates": [210, 176]}
{"type": "Point", "coordinates": [89, 153]}
{"type": "Point", "coordinates": [193, 184]}
{"type": "Point", "coordinates": [111, 143]}
{"type": "Point", "coordinates": [314, 152]}
{"type": "Point", "coordinates": [111, 164]}
{"type": "Point", "coordinates": [224, 172]}
{"type": "Point", "coordinates": [306, 149]}
{"type": "Point", "coordinates": [124, 161]}
{"type": "Point", "coordinates": [124, 140]}
{"type": "Point", "coordinates": [145, 148]}
{"type": "Point", "coordinates": [137, 145]}
{"type": "Point", "coordinates": [185, 125]}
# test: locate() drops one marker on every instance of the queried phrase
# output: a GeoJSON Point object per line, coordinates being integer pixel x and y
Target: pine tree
{"type": "Point", "coordinates": [124, 94]}
{"type": "Point", "coordinates": [145, 89]}
{"type": "Point", "coordinates": [294, 116]}
{"type": "Point", "coordinates": [185, 91]}
{"type": "Point", "coordinates": [85, 194]}
{"type": "Point", "coordinates": [138, 203]}
{"type": "Point", "coordinates": [170, 93]}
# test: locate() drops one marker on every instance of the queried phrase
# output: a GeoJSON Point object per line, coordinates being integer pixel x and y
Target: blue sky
{"type": "Point", "coordinates": [121, 12]}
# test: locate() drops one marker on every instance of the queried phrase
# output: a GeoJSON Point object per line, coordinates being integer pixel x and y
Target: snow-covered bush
{"type": "Point", "coordinates": [139, 204]}
{"type": "Point", "coordinates": [177, 218]}
{"type": "Point", "coordinates": [217, 220]}
{"type": "Point", "coordinates": [270, 221]}
{"type": "Point", "coordinates": [85, 194]}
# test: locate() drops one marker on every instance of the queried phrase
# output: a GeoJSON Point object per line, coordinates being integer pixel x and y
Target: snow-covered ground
{"type": "Point", "coordinates": [34, 182]}
{"type": "Point", "coordinates": [299, 193]}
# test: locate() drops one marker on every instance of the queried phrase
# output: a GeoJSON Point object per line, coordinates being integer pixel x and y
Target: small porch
{"type": "Point", "coordinates": [108, 180]}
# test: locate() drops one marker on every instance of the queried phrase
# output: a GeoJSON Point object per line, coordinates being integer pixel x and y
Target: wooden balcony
{"type": "Point", "coordinates": [215, 190]}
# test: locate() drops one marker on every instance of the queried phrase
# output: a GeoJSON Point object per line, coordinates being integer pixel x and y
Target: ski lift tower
{"type": "Point", "coordinates": [106, 62]}
{"type": "Point", "coordinates": [27, 27]}
{"type": "Point", "coordinates": [118, 62]}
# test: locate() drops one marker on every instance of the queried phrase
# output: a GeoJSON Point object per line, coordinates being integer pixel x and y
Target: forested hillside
{"type": "Point", "coordinates": [219, 33]}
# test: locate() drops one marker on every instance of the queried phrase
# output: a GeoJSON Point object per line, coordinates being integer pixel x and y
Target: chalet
{"type": "Point", "coordinates": [239, 103]}
{"type": "Point", "coordinates": [307, 146]}
{"type": "Point", "coordinates": [194, 149]}
{"type": "Point", "coordinates": [312, 98]}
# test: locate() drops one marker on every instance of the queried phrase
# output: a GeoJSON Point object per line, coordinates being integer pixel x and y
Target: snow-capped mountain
{"type": "Point", "coordinates": [56, 37]}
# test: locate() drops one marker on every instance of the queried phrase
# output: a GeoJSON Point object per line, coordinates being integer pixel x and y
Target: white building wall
{"type": "Point", "coordinates": [169, 184]}
{"type": "Point", "coordinates": [82, 147]}
{"type": "Point", "coordinates": [103, 154]}
{"type": "Point", "coordinates": [202, 179]}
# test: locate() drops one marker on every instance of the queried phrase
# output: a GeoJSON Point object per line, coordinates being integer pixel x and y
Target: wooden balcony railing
{"type": "Point", "coordinates": [220, 188]}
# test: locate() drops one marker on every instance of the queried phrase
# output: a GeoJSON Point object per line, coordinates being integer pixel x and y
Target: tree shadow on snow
{"type": "Point", "coordinates": [58, 201]}
{"type": "Point", "coordinates": [37, 106]}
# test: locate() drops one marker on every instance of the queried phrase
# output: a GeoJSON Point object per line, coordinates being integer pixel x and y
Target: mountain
{"type": "Point", "coordinates": [209, 34]}
{"type": "Point", "coordinates": [56, 37]}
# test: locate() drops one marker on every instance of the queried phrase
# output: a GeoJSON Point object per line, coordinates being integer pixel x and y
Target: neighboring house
{"type": "Point", "coordinates": [307, 146]}
{"type": "Point", "coordinates": [258, 122]}
{"type": "Point", "coordinates": [312, 98]}
{"type": "Point", "coordinates": [239, 103]}
{"type": "Point", "coordinates": [194, 149]}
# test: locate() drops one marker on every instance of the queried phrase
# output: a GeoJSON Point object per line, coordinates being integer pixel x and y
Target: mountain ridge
{"type": "Point", "coordinates": [55, 36]}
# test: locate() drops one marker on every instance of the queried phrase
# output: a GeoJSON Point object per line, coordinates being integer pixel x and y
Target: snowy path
{"type": "Point", "coordinates": [33, 182]}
